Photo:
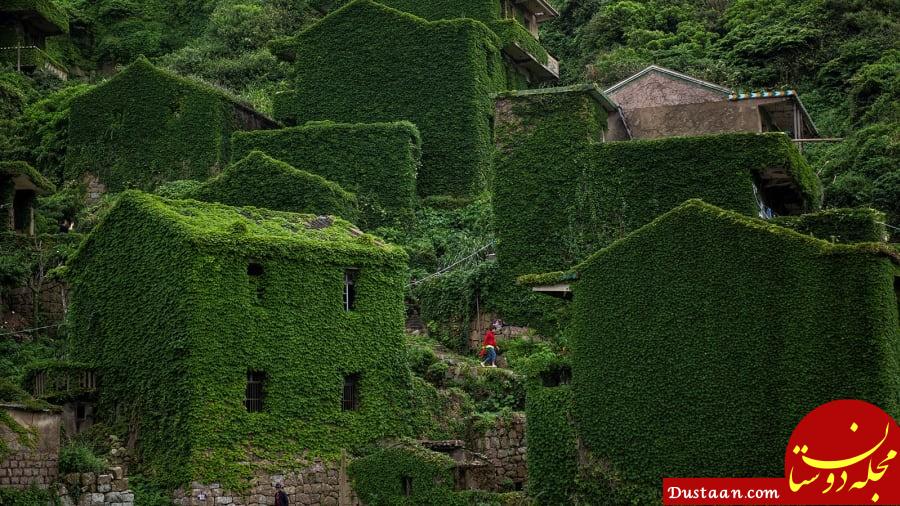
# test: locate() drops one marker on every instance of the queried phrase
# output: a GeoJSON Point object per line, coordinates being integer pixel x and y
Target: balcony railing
{"type": "Point", "coordinates": [31, 58]}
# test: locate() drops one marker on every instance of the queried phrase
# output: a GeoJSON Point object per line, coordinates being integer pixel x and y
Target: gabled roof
{"type": "Point", "coordinates": [590, 89]}
{"type": "Point", "coordinates": [262, 181]}
{"type": "Point", "coordinates": [45, 14]}
{"type": "Point", "coordinates": [540, 8]}
{"type": "Point", "coordinates": [560, 281]}
{"type": "Point", "coordinates": [260, 164]}
{"type": "Point", "coordinates": [217, 226]}
{"type": "Point", "coordinates": [143, 66]}
{"type": "Point", "coordinates": [361, 9]}
{"type": "Point", "coordinates": [670, 73]}
{"type": "Point", "coordinates": [26, 177]}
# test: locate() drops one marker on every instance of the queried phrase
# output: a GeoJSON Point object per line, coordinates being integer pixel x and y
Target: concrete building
{"type": "Point", "coordinates": [658, 102]}
{"type": "Point", "coordinates": [24, 28]}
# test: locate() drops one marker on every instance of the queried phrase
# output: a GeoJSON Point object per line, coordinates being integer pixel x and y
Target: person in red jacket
{"type": "Point", "coordinates": [489, 348]}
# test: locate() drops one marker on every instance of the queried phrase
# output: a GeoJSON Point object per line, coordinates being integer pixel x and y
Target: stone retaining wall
{"type": "Point", "coordinates": [32, 461]}
{"type": "Point", "coordinates": [504, 446]}
{"type": "Point", "coordinates": [321, 483]}
{"type": "Point", "coordinates": [109, 488]}
{"type": "Point", "coordinates": [52, 302]}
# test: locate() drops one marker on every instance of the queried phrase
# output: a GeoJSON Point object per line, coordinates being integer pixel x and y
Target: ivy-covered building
{"type": "Point", "coordinates": [376, 161]}
{"type": "Point", "coordinates": [25, 26]}
{"type": "Point", "coordinates": [516, 23]}
{"type": "Point", "coordinates": [20, 185]}
{"type": "Point", "coordinates": [561, 192]}
{"type": "Point", "coordinates": [146, 126]}
{"type": "Point", "coordinates": [368, 62]}
{"type": "Point", "coordinates": [700, 340]}
{"type": "Point", "coordinates": [230, 338]}
{"type": "Point", "coordinates": [259, 180]}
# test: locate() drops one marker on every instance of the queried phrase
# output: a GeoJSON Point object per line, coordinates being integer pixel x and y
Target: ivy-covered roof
{"type": "Point", "coordinates": [46, 9]}
{"type": "Point", "coordinates": [14, 169]}
{"type": "Point", "coordinates": [147, 126]}
{"type": "Point", "coordinates": [261, 181]}
{"type": "Point", "coordinates": [699, 208]}
{"type": "Point", "coordinates": [590, 89]}
{"type": "Point", "coordinates": [219, 226]}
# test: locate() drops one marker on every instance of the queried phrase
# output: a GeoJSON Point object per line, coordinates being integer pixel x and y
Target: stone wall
{"type": "Point", "coordinates": [482, 322]}
{"type": "Point", "coordinates": [503, 444]}
{"type": "Point", "coordinates": [32, 460]}
{"type": "Point", "coordinates": [52, 302]}
{"type": "Point", "coordinates": [321, 483]}
{"type": "Point", "coordinates": [109, 488]}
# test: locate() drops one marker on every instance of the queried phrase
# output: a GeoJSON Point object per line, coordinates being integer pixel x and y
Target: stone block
{"type": "Point", "coordinates": [224, 500]}
{"type": "Point", "coordinates": [103, 488]}
{"type": "Point", "coordinates": [117, 472]}
{"type": "Point", "coordinates": [114, 497]}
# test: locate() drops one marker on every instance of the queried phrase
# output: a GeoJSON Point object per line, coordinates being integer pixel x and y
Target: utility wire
{"type": "Point", "coordinates": [31, 330]}
{"type": "Point", "coordinates": [888, 226]}
{"type": "Point", "coordinates": [451, 266]}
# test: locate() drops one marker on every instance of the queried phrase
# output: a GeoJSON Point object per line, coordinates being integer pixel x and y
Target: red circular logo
{"type": "Point", "coordinates": [845, 452]}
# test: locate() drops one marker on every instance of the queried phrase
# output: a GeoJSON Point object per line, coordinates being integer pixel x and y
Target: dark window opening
{"type": "Point", "coordinates": [83, 415]}
{"type": "Point", "coordinates": [556, 376]}
{"type": "Point", "coordinates": [255, 272]}
{"type": "Point", "coordinates": [254, 269]}
{"type": "Point", "coordinates": [253, 399]}
{"type": "Point", "coordinates": [40, 384]}
{"type": "Point", "coordinates": [23, 202]}
{"type": "Point", "coordinates": [350, 276]}
{"type": "Point", "coordinates": [406, 483]}
{"type": "Point", "coordinates": [350, 399]}
{"type": "Point", "coordinates": [518, 486]}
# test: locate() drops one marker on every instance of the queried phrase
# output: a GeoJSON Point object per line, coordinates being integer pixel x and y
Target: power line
{"type": "Point", "coordinates": [451, 266]}
{"type": "Point", "coordinates": [31, 330]}
{"type": "Point", "coordinates": [888, 226]}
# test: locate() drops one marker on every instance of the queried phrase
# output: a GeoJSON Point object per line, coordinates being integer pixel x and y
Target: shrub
{"type": "Point", "coordinates": [78, 458]}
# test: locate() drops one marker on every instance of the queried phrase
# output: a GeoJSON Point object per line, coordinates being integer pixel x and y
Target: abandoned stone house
{"type": "Point", "coordinates": [28, 458]}
{"type": "Point", "coordinates": [238, 337]}
{"type": "Point", "coordinates": [511, 20]}
{"type": "Point", "coordinates": [146, 125]}
{"type": "Point", "coordinates": [20, 185]}
{"type": "Point", "coordinates": [25, 26]}
{"type": "Point", "coordinates": [822, 325]}
{"type": "Point", "coordinates": [659, 102]}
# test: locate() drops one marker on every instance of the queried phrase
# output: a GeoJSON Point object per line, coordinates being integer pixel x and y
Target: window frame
{"type": "Point", "coordinates": [255, 391]}
{"type": "Point", "coordinates": [350, 401]}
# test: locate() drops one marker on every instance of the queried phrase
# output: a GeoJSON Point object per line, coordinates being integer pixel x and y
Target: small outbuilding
{"type": "Point", "coordinates": [24, 28]}
{"type": "Point", "coordinates": [20, 185]}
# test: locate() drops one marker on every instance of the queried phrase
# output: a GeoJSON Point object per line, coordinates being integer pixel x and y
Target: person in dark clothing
{"type": "Point", "coordinates": [280, 497]}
